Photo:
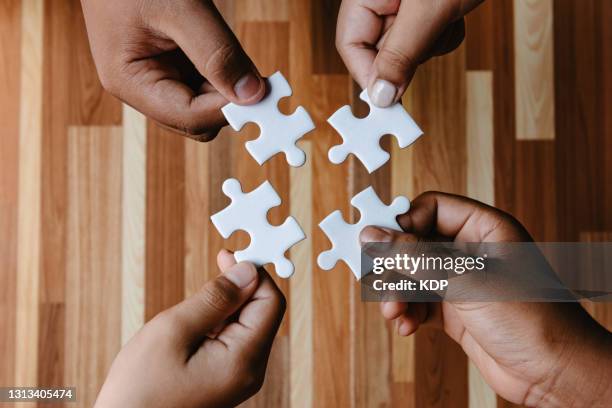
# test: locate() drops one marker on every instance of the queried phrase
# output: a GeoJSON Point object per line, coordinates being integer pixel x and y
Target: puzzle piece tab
{"type": "Point", "coordinates": [248, 212]}
{"type": "Point", "coordinates": [345, 237]}
{"type": "Point", "coordinates": [361, 137]}
{"type": "Point", "coordinates": [278, 132]}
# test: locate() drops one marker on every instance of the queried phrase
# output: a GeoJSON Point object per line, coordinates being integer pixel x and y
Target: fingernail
{"type": "Point", "coordinates": [376, 234]}
{"type": "Point", "coordinates": [247, 86]}
{"type": "Point", "coordinates": [241, 274]}
{"type": "Point", "coordinates": [383, 93]}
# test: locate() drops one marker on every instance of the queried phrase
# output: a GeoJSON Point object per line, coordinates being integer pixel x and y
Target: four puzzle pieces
{"type": "Point", "coordinates": [248, 212]}
{"type": "Point", "coordinates": [361, 137]}
{"type": "Point", "coordinates": [278, 132]}
{"type": "Point", "coordinates": [345, 237]}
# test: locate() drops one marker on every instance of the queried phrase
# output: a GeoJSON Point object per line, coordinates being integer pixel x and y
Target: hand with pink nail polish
{"type": "Point", "coordinates": [177, 62]}
{"type": "Point", "coordinates": [383, 42]}
{"type": "Point", "coordinates": [210, 350]}
{"type": "Point", "coordinates": [535, 354]}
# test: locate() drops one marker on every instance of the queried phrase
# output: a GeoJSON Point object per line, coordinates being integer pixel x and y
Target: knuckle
{"type": "Point", "coordinates": [223, 58]}
{"type": "Point", "coordinates": [219, 295]}
{"type": "Point", "coordinates": [396, 60]}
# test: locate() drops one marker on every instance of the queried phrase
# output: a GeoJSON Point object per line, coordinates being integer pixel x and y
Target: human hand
{"type": "Point", "coordinates": [383, 42]}
{"type": "Point", "coordinates": [175, 61]}
{"type": "Point", "coordinates": [210, 350]}
{"type": "Point", "coordinates": [529, 353]}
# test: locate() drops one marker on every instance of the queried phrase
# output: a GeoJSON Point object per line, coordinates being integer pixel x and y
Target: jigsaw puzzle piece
{"type": "Point", "coordinates": [278, 132]}
{"type": "Point", "coordinates": [270, 244]}
{"type": "Point", "coordinates": [361, 136]}
{"type": "Point", "coordinates": [345, 237]}
{"type": "Point", "coordinates": [249, 212]}
{"type": "Point", "coordinates": [244, 207]}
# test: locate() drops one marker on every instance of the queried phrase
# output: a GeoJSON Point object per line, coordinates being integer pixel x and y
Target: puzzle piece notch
{"type": "Point", "coordinates": [278, 132]}
{"type": "Point", "coordinates": [361, 136]}
{"type": "Point", "coordinates": [345, 237]}
{"type": "Point", "coordinates": [248, 212]}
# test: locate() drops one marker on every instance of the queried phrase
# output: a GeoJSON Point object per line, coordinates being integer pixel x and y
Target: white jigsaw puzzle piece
{"type": "Point", "coordinates": [361, 136]}
{"type": "Point", "coordinates": [278, 132]}
{"type": "Point", "coordinates": [248, 212]}
{"type": "Point", "coordinates": [345, 237]}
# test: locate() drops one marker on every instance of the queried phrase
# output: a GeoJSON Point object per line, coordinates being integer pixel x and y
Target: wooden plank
{"type": "Point", "coordinates": [93, 270]}
{"type": "Point", "coordinates": [325, 57]}
{"type": "Point", "coordinates": [261, 10]}
{"type": "Point", "coordinates": [10, 43]}
{"type": "Point", "coordinates": [439, 97]}
{"type": "Point", "coordinates": [301, 301]}
{"type": "Point", "coordinates": [479, 39]}
{"type": "Point", "coordinates": [480, 185]}
{"type": "Point", "coordinates": [198, 270]}
{"type": "Point", "coordinates": [533, 59]}
{"type": "Point", "coordinates": [133, 221]}
{"type": "Point", "coordinates": [90, 104]}
{"type": "Point", "coordinates": [165, 209]}
{"type": "Point", "coordinates": [580, 120]}
{"type": "Point", "coordinates": [370, 334]}
{"type": "Point", "coordinates": [332, 322]}
{"type": "Point", "coordinates": [504, 109]}
{"type": "Point", "coordinates": [479, 118]}
{"type": "Point", "coordinates": [29, 210]}
{"type": "Point", "coordinates": [536, 204]}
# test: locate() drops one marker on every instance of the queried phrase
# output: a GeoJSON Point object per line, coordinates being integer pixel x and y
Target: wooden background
{"type": "Point", "coordinates": [104, 216]}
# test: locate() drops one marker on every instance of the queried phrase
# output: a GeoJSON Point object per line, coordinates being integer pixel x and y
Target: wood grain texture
{"type": "Point", "coordinates": [29, 210]}
{"type": "Point", "coordinates": [133, 220]}
{"type": "Point", "coordinates": [93, 253]}
{"type": "Point", "coordinates": [302, 296]}
{"type": "Point", "coordinates": [10, 43]}
{"type": "Point", "coordinates": [479, 122]}
{"type": "Point", "coordinates": [78, 168]}
{"type": "Point", "coordinates": [533, 61]}
{"type": "Point", "coordinates": [165, 207]}
{"type": "Point", "coordinates": [438, 101]}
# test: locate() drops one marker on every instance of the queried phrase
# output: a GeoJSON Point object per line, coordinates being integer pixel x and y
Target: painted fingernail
{"type": "Point", "coordinates": [241, 274]}
{"type": "Point", "coordinates": [247, 86]}
{"type": "Point", "coordinates": [375, 234]}
{"type": "Point", "coordinates": [383, 93]}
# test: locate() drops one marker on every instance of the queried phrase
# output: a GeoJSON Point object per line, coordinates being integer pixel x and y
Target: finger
{"type": "Point", "coordinates": [393, 310]}
{"type": "Point", "coordinates": [417, 27]}
{"type": "Point", "coordinates": [460, 218]}
{"type": "Point", "coordinates": [359, 28]}
{"type": "Point", "coordinates": [259, 319]}
{"type": "Point", "coordinates": [157, 90]}
{"type": "Point", "coordinates": [225, 260]}
{"type": "Point", "coordinates": [380, 234]}
{"type": "Point", "coordinates": [199, 314]}
{"type": "Point", "coordinates": [200, 31]}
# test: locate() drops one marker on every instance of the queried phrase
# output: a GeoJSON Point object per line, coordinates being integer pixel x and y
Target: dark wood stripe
{"type": "Point", "coordinates": [165, 206]}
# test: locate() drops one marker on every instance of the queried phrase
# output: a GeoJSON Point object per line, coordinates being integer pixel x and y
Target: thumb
{"type": "Point", "coordinates": [216, 301]}
{"type": "Point", "coordinates": [200, 31]}
{"type": "Point", "coordinates": [407, 43]}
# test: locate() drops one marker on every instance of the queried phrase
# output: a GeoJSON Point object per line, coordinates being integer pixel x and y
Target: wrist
{"type": "Point", "coordinates": [582, 373]}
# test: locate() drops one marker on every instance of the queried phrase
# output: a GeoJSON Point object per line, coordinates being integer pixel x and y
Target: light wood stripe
{"type": "Point", "coordinates": [93, 270]}
{"type": "Point", "coordinates": [300, 308]}
{"type": "Point", "coordinates": [133, 222]}
{"type": "Point", "coordinates": [480, 186]}
{"type": "Point", "coordinates": [402, 174]}
{"type": "Point", "coordinates": [533, 66]}
{"type": "Point", "coordinates": [258, 10]}
{"type": "Point", "coordinates": [28, 240]}
{"type": "Point", "coordinates": [479, 122]}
